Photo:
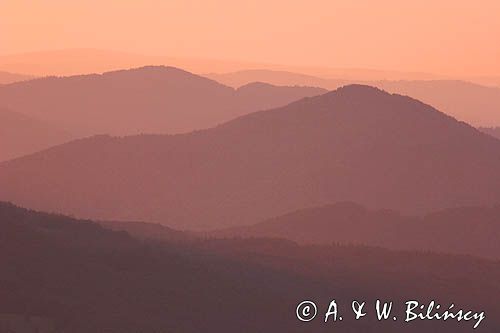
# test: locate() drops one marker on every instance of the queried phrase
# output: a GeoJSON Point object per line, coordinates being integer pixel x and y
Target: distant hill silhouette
{"type": "Point", "coordinates": [7, 77]}
{"type": "Point", "coordinates": [472, 231]}
{"type": "Point", "coordinates": [471, 102]}
{"type": "Point", "coordinates": [356, 144]}
{"type": "Point", "coordinates": [142, 100]}
{"type": "Point", "coordinates": [240, 78]}
{"type": "Point", "coordinates": [87, 60]}
{"type": "Point", "coordinates": [493, 131]}
{"type": "Point", "coordinates": [65, 275]}
{"type": "Point", "coordinates": [21, 135]}
{"type": "Point", "coordinates": [268, 96]}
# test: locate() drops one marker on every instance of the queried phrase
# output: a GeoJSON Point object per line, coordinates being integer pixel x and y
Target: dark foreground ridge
{"type": "Point", "coordinates": [59, 274]}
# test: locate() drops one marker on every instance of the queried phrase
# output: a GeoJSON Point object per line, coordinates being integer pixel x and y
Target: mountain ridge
{"type": "Point", "coordinates": [71, 275]}
{"type": "Point", "coordinates": [355, 144]}
{"type": "Point", "coordinates": [473, 101]}
{"type": "Point", "coordinates": [463, 230]}
{"type": "Point", "coordinates": [149, 99]}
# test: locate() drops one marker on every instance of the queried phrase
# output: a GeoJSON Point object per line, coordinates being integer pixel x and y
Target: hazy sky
{"type": "Point", "coordinates": [448, 37]}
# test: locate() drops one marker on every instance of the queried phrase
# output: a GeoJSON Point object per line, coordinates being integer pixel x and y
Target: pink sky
{"type": "Point", "coordinates": [443, 37]}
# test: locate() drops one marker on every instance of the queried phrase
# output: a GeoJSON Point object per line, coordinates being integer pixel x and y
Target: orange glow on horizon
{"type": "Point", "coordinates": [443, 37]}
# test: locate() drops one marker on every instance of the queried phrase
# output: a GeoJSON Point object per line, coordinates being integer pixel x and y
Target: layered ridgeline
{"type": "Point", "coordinates": [472, 102]}
{"type": "Point", "coordinates": [467, 230]}
{"type": "Point", "coordinates": [143, 100]}
{"type": "Point", "coordinates": [355, 144]}
{"type": "Point", "coordinates": [22, 135]}
{"type": "Point", "coordinates": [60, 274]}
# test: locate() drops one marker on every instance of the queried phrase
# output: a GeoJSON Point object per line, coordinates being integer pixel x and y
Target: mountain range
{"type": "Point", "coordinates": [159, 99]}
{"type": "Point", "coordinates": [465, 230]}
{"type": "Point", "coordinates": [67, 275]}
{"type": "Point", "coordinates": [142, 100]}
{"type": "Point", "coordinates": [73, 61]}
{"type": "Point", "coordinates": [471, 102]}
{"type": "Point", "coordinates": [357, 143]}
